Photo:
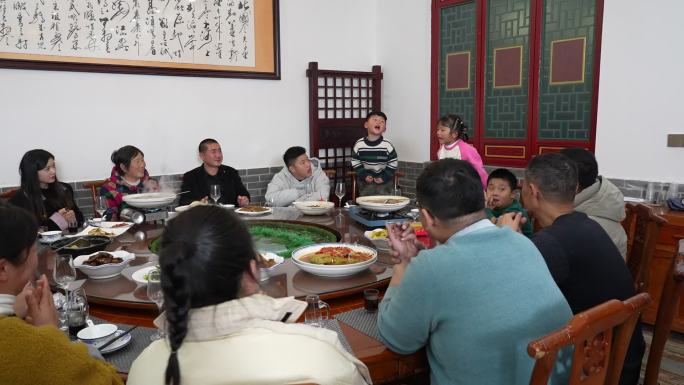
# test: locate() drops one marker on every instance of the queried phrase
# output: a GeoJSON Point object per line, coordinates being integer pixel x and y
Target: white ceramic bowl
{"type": "Point", "coordinates": [333, 270]}
{"type": "Point", "coordinates": [381, 243]}
{"type": "Point", "coordinates": [314, 207]}
{"type": "Point", "coordinates": [107, 270]}
{"type": "Point", "coordinates": [150, 200]}
{"type": "Point", "coordinates": [50, 236]}
{"type": "Point", "coordinates": [266, 271]}
{"type": "Point", "coordinates": [95, 333]}
{"type": "Point", "coordinates": [377, 203]}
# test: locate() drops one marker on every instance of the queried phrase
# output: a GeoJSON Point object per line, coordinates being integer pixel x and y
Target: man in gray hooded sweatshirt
{"type": "Point", "coordinates": [598, 197]}
{"type": "Point", "coordinates": [302, 179]}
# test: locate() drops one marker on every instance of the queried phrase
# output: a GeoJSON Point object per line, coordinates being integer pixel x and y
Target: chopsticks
{"type": "Point", "coordinates": [116, 338]}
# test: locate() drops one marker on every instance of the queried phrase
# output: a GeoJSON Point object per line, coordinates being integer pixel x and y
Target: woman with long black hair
{"type": "Point", "coordinates": [33, 350]}
{"type": "Point", "coordinates": [221, 329]}
{"type": "Point", "coordinates": [50, 201]}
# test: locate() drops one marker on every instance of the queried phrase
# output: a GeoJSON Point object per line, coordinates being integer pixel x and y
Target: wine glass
{"type": "Point", "coordinates": [156, 295]}
{"type": "Point", "coordinates": [100, 205]}
{"type": "Point", "coordinates": [63, 272]}
{"type": "Point", "coordinates": [215, 192]}
{"type": "Point", "coordinates": [340, 191]}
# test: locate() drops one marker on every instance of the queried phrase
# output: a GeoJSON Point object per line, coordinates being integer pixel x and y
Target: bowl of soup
{"type": "Point", "coordinates": [334, 259]}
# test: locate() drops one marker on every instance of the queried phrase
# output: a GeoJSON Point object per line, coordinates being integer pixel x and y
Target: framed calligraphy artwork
{"type": "Point", "coordinates": [214, 38]}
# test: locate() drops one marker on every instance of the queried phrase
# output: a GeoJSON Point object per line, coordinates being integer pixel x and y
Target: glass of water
{"type": "Point", "coordinates": [215, 192]}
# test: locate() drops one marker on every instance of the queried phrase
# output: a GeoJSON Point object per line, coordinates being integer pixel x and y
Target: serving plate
{"type": "Point", "coordinates": [333, 270]}
{"type": "Point", "coordinates": [150, 200]}
{"type": "Point", "coordinates": [254, 213]}
{"type": "Point", "coordinates": [114, 228]}
{"type": "Point", "coordinates": [383, 203]}
{"type": "Point", "coordinates": [314, 207]}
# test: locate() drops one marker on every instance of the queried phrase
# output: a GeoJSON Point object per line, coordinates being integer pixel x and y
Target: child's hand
{"type": "Point", "coordinates": [369, 179]}
{"type": "Point", "coordinates": [490, 203]}
{"type": "Point", "coordinates": [379, 180]}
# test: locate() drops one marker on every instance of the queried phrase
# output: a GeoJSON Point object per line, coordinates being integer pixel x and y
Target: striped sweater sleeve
{"type": "Point", "coordinates": [356, 162]}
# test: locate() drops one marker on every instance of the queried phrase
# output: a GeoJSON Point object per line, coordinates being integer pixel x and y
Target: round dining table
{"type": "Point", "coordinates": [123, 300]}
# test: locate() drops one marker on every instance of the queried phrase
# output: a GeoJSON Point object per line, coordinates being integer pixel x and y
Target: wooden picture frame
{"type": "Point", "coordinates": [202, 38]}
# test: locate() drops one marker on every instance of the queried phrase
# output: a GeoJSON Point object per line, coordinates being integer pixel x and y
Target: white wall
{"type": "Point", "coordinates": [81, 117]}
{"type": "Point", "coordinates": [640, 90]}
{"type": "Point", "coordinates": [403, 48]}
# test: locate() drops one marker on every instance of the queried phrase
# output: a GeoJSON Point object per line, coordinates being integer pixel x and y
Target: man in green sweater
{"type": "Point", "coordinates": [475, 301]}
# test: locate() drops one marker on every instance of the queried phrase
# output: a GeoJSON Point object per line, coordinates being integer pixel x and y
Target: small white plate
{"type": "Point", "coordinates": [45, 241]}
{"type": "Point", "coordinates": [118, 344]}
{"type": "Point", "coordinates": [139, 275]}
{"type": "Point", "coordinates": [227, 206]}
{"type": "Point", "coordinates": [254, 213]}
{"type": "Point", "coordinates": [266, 271]}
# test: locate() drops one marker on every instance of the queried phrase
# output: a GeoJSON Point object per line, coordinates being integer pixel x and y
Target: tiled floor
{"type": "Point", "coordinates": [672, 367]}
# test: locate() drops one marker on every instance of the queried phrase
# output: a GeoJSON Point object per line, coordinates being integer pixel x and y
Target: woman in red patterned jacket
{"type": "Point", "coordinates": [128, 177]}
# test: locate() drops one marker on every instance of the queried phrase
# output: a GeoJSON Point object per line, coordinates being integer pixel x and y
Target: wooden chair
{"type": "Point", "coordinates": [672, 291]}
{"type": "Point", "coordinates": [629, 223]}
{"type": "Point", "coordinates": [600, 336]}
{"type": "Point", "coordinates": [9, 193]}
{"type": "Point", "coordinates": [94, 186]}
{"type": "Point", "coordinates": [355, 187]}
{"type": "Point", "coordinates": [646, 228]}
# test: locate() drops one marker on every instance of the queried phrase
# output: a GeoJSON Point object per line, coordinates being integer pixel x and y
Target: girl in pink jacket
{"type": "Point", "coordinates": [453, 144]}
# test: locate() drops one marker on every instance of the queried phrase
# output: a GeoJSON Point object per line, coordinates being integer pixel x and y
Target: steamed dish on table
{"type": "Point", "coordinates": [79, 244]}
{"type": "Point", "coordinates": [102, 259]}
{"type": "Point", "coordinates": [386, 201]}
{"type": "Point", "coordinates": [100, 232]}
{"type": "Point", "coordinates": [264, 262]}
{"type": "Point", "coordinates": [378, 234]}
{"type": "Point", "coordinates": [336, 256]}
{"type": "Point", "coordinates": [254, 209]}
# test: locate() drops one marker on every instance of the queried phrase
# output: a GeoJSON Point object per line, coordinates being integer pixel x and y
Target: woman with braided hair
{"type": "Point", "coordinates": [221, 329]}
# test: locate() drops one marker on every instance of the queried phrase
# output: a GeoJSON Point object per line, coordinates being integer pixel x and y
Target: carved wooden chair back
{"type": "Point", "coordinates": [600, 337]}
{"type": "Point", "coordinates": [646, 228]}
{"type": "Point", "coordinates": [9, 193]}
{"type": "Point", "coordinates": [667, 308]}
{"type": "Point", "coordinates": [355, 184]}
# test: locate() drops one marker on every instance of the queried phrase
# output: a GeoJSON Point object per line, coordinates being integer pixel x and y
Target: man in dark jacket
{"type": "Point", "coordinates": [212, 172]}
{"type": "Point", "coordinates": [583, 260]}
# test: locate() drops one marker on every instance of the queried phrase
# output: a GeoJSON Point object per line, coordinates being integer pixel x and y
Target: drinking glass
{"type": "Point", "coordinates": [314, 311]}
{"type": "Point", "coordinates": [371, 298]}
{"type": "Point", "coordinates": [340, 191]}
{"type": "Point", "coordinates": [309, 190]}
{"type": "Point", "coordinates": [397, 191]}
{"type": "Point", "coordinates": [155, 294]}
{"type": "Point", "coordinates": [77, 311]}
{"type": "Point", "coordinates": [215, 192]}
{"type": "Point", "coordinates": [64, 272]}
{"type": "Point", "coordinates": [100, 205]}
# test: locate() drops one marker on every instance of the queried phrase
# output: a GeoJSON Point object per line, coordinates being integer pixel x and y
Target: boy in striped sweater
{"type": "Point", "coordinates": [374, 158]}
